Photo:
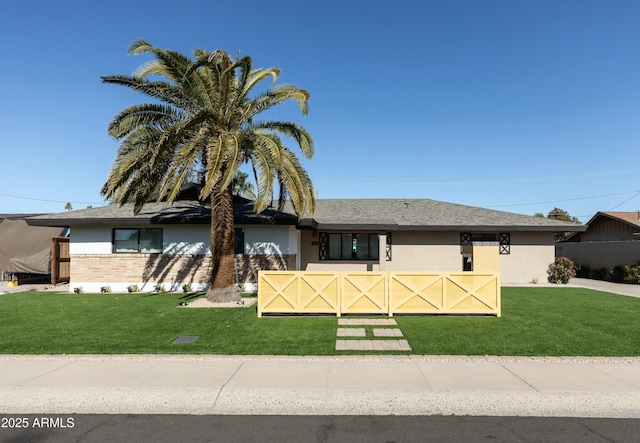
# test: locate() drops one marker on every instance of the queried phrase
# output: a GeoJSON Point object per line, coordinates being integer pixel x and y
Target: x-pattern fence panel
{"type": "Point", "coordinates": [378, 292]}
{"type": "Point", "coordinates": [298, 292]}
{"type": "Point", "coordinates": [444, 293]}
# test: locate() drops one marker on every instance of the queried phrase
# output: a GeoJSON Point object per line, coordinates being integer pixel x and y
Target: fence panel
{"type": "Point", "coordinates": [298, 292]}
{"type": "Point", "coordinates": [364, 293]}
{"type": "Point", "coordinates": [472, 293]}
{"type": "Point", "coordinates": [416, 293]}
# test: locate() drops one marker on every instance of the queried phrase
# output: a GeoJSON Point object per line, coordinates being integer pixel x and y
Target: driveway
{"type": "Point", "coordinates": [606, 286]}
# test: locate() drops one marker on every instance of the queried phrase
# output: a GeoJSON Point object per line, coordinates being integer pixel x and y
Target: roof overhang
{"type": "Point", "coordinates": [441, 228]}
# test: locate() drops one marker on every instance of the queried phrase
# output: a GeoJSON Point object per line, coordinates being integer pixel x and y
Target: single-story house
{"type": "Point", "coordinates": [170, 245]}
{"type": "Point", "coordinates": [611, 239]}
{"type": "Point", "coordinates": [25, 250]}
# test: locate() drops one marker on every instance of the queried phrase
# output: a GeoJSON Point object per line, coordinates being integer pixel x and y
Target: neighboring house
{"type": "Point", "coordinates": [170, 244]}
{"type": "Point", "coordinates": [25, 251]}
{"type": "Point", "coordinates": [611, 239]}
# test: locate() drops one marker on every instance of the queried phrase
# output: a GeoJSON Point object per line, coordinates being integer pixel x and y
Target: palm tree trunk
{"type": "Point", "coordinates": [222, 286]}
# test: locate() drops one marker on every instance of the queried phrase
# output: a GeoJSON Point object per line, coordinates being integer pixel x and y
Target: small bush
{"type": "Point", "coordinates": [105, 289]}
{"type": "Point", "coordinates": [583, 271]}
{"type": "Point", "coordinates": [159, 287]}
{"type": "Point", "coordinates": [599, 274]}
{"type": "Point", "coordinates": [561, 270]}
{"type": "Point", "coordinates": [78, 289]}
{"type": "Point", "coordinates": [186, 287]}
{"type": "Point", "coordinates": [132, 288]}
{"type": "Point", "coordinates": [632, 273]}
{"type": "Point", "coordinates": [617, 274]}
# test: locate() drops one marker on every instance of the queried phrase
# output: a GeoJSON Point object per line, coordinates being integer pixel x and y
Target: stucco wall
{"type": "Point", "coordinates": [529, 258]}
{"type": "Point", "coordinates": [191, 239]}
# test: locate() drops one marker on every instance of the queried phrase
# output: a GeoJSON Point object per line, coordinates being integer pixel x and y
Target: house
{"type": "Point", "coordinates": [169, 244]}
{"type": "Point", "coordinates": [611, 239]}
{"type": "Point", "coordinates": [25, 250]}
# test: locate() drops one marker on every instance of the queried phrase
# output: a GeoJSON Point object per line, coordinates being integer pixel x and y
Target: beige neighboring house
{"type": "Point", "coordinates": [169, 244]}
{"type": "Point", "coordinates": [611, 239]}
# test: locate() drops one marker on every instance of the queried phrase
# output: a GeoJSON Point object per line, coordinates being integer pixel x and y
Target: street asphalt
{"type": "Point", "coordinates": [606, 387]}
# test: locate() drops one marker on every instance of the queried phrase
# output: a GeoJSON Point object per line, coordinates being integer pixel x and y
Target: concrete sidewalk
{"type": "Point", "coordinates": [377, 385]}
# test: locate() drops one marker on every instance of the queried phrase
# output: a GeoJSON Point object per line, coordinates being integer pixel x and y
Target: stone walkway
{"type": "Point", "coordinates": [387, 336]}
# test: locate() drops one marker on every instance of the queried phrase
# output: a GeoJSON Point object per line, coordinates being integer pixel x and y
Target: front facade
{"type": "Point", "coordinates": [168, 246]}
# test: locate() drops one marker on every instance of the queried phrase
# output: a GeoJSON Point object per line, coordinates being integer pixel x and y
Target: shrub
{"type": "Point", "coordinates": [617, 274]}
{"type": "Point", "coordinates": [159, 287]}
{"type": "Point", "coordinates": [632, 273]}
{"type": "Point", "coordinates": [78, 289]}
{"type": "Point", "coordinates": [105, 289]}
{"type": "Point", "coordinates": [132, 288]}
{"type": "Point", "coordinates": [561, 270]}
{"type": "Point", "coordinates": [599, 274]}
{"type": "Point", "coordinates": [583, 271]}
{"type": "Point", "coordinates": [186, 287]}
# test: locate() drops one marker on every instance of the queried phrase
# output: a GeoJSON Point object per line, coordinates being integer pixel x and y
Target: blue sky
{"type": "Point", "coordinates": [514, 105]}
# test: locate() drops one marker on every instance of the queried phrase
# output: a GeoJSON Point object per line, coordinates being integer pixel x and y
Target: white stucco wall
{"type": "Point", "coordinates": [90, 240]}
{"type": "Point", "coordinates": [189, 239]}
{"type": "Point", "coordinates": [269, 239]}
{"type": "Point", "coordinates": [192, 239]}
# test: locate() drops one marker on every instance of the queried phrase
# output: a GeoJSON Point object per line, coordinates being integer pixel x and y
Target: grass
{"type": "Point", "coordinates": [535, 321]}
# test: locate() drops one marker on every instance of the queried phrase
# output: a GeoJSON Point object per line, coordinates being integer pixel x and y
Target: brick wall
{"type": "Point", "coordinates": [247, 266]}
{"type": "Point", "coordinates": [185, 268]}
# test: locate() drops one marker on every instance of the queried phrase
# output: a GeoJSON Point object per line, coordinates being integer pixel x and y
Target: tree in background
{"type": "Point", "coordinates": [562, 215]}
{"type": "Point", "coordinates": [242, 187]}
{"type": "Point", "coordinates": [68, 207]}
{"type": "Point", "coordinates": [205, 116]}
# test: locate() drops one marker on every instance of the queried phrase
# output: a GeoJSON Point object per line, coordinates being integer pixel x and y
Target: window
{"type": "Point", "coordinates": [344, 246]}
{"type": "Point", "coordinates": [503, 239]}
{"type": "Point", "coordinates": [147, 241]}
{"type": "Point", "coordinates": [238, 245]}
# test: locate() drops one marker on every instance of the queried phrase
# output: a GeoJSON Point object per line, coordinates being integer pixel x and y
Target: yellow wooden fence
{"type": "Point", "coordinates": [386, 293]}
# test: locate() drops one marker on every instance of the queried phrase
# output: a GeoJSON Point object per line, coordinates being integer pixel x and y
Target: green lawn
{"type": "Point", "coordinates": [535, 321]}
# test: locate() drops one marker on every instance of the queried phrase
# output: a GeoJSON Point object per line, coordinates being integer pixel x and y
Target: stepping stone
{"type": "Point", "coordinates": [387, 332]}
{"type": "Point", "coordinates": [351, 332]}
{"type": "Point", "coordinates": [372, 345]}
{"type": "Point", "coordinates": [367, 322]}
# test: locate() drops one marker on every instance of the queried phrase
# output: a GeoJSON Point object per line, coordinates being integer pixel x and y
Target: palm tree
{"type": "Point", "coordinates": [205, 116]}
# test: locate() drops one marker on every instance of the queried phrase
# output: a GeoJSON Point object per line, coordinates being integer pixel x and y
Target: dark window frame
{"type": "Point", "coordinates": [139, 237]}
{"type": "Point", "coordinates": [502, 238]}
{"type": "Point", "coordinates": [324, 250]}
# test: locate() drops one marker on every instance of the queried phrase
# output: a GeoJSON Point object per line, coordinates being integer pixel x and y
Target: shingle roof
{"type": "Point", "coordinates": [633, 218]}
{"type": "Point", "coordinates": [425, 214]}
{"type": "Point", "coordinates": [378, 214]}
{"type": "Point", "coordinates": [179, 212]}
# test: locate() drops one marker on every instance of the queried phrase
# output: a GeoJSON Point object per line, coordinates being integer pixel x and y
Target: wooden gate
{"type": "Point", "coordinates": [60, 260]}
